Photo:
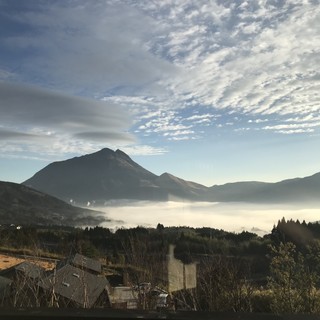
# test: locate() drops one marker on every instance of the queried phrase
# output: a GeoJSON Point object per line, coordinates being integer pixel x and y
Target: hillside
{"type": "Point", "coordinates": [21, 205]}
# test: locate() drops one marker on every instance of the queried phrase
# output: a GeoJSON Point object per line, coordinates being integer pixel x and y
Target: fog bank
{"type": "Point", "coordinates": [234, 217]}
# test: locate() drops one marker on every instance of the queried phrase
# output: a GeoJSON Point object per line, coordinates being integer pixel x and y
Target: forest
{"type": "Point", "coordinates": [238, 272]}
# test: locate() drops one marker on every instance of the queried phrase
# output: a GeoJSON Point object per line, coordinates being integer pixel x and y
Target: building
{"type": "Point", "coordinates": [85, 263]}
{"type": "Point", "coordinates": [24, 288]}
{"type": "Point", "coordinates": [74, 287]}
{"type": "Point", "coordinates": [179, 276]}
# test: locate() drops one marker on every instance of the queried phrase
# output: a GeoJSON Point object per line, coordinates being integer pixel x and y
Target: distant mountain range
{"type": "Point", "coordinates": [21, 205]}
{"type": "Point", "coordinates": [108, 174]}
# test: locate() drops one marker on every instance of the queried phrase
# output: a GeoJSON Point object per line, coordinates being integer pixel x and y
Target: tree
{"type": "Point", "coordinates": [292, 282]}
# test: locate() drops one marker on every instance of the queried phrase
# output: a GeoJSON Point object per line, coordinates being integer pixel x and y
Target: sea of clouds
{"type": "Point", "coordinates": [234, 217]}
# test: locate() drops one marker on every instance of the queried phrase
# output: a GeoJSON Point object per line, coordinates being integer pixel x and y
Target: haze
{"type": "Point", "coordinates": [234, 217]}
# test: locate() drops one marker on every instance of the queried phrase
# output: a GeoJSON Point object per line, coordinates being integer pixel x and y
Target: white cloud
{"type": "Point", "coordinates": [227, 216]}
{"type": "Point", "coordinates": [144, 150]}
{"type": "Point", "coordinates": [258, 121]}
{"type": "Point", "coordinates": [255, 57]}
{"type": "Point", "coordinates": [260, 58]}
{"type": "Point", "coordinates": [292, 126]}
{"type": "Point", "coordinates": [182, 138]}
{"type": "Point", "coordinates": [293, 131]}
{"type": "Point", "coordinates": [179, 133]}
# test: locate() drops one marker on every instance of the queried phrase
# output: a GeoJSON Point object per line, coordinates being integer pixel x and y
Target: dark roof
{"type": "Point", "coordinates": [28, 269]}
{"type": "Point", "coordinates": [75, 284]}
{"type": "Point", "coordinates": [5, 284]}
{"type": "Point", "coordinates": [31, 270]}
{"type": "Point", "coordinates": [84, 262]}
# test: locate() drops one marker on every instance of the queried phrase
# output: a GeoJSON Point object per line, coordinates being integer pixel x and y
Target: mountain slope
{"type": "Point", "coordinates": [22, 205]}
{"type": "Point", "coordinates": [106, 175]}
{"type": "Point", "coordinates": [180, 188]}
{"type": "Point", "coordinates": [99, 176]}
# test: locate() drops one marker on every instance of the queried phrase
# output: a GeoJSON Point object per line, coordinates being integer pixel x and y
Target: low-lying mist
{"type": "Point", "coordinates": [234, 217]}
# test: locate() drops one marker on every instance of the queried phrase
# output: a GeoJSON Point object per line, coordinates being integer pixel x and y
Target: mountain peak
{"type": "Point", "coordinates": [104, 151]}
{"type": "Point", "coordinates": [109, 152]}
{"type": "Point", "coordinates": [122, 154]}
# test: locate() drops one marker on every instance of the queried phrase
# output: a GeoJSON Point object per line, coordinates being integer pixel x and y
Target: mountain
{"type": "Point", "coordinates": [21, 205]}
{"type": "Point", "coordinates": [287, 191]}
{"type": "Point", "coordinates": [237, 191]}
{"type": "Point", "coordinates": [108, 174]}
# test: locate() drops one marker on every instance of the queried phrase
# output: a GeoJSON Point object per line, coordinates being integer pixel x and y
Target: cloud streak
{"type": "Point", "coordinates": [32, 115]}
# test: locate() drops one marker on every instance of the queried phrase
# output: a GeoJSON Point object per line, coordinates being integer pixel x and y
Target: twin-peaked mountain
{"type": "Point", "coordinates": [107, 175]}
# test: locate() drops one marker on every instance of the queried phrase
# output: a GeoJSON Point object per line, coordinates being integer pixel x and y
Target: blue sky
{"type": "Point", "coordinates": [210, 91]}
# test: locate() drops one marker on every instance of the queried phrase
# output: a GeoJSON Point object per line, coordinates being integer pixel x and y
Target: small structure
{"type": "Point", "coordinates": [122, 297]}
{"type": "Point", "coordinates": [74, 287]}
{"type": "Point", "coordinates": [180, 276]}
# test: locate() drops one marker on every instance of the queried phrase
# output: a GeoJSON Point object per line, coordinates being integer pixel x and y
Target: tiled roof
{"type": "Point", "coordinates": [84, 262]}
{"type": "Point", "coordinates": [75, 284]}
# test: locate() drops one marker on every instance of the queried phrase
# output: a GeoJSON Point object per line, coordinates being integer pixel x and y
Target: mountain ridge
{"type": "Point", "coordinates": [107, 175]}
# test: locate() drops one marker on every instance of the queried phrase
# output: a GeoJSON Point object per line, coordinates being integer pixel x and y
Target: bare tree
{"type": "Point", "coordinates": [223, 285]}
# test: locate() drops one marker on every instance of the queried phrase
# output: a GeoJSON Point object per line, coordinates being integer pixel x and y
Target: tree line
{"type": "Point", "coordinates": [240, 272]}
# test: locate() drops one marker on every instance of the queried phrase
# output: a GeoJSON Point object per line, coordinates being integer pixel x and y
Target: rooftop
{"type": "Point", "coordinates": [75, 284]}
{"type": "Point", "coordinates": [84, 262]}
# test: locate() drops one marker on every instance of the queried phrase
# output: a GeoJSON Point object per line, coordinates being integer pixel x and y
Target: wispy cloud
{"type": "Point", "coordinates": [258, 57]}
{"type": "Point", "coordinates": [144, 150]}
{"type": "Point", "coordinates": [297, 127]}
{"type": "Point", "coordinates": [156, 60]}
{"type": "Point", "coordinates": [80, 45]}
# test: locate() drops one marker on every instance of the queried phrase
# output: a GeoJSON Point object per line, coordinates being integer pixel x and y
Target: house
{"type": "Point", "coordinates": [25, 270]}
{"type": "Point", "coordinates": [175, 276]}
{"type": "Point", "coordinates": [74, 287]}
{"type": "Point", "coordinates": [30, 270]}
{"type": "Point", "coordinates": [84, 263]}
{"type": "Point", "coordinates": [24, 287]}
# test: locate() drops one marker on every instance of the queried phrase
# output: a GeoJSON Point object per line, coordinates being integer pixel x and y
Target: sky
{"type": "Point", "coordinates": [211, 91]}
